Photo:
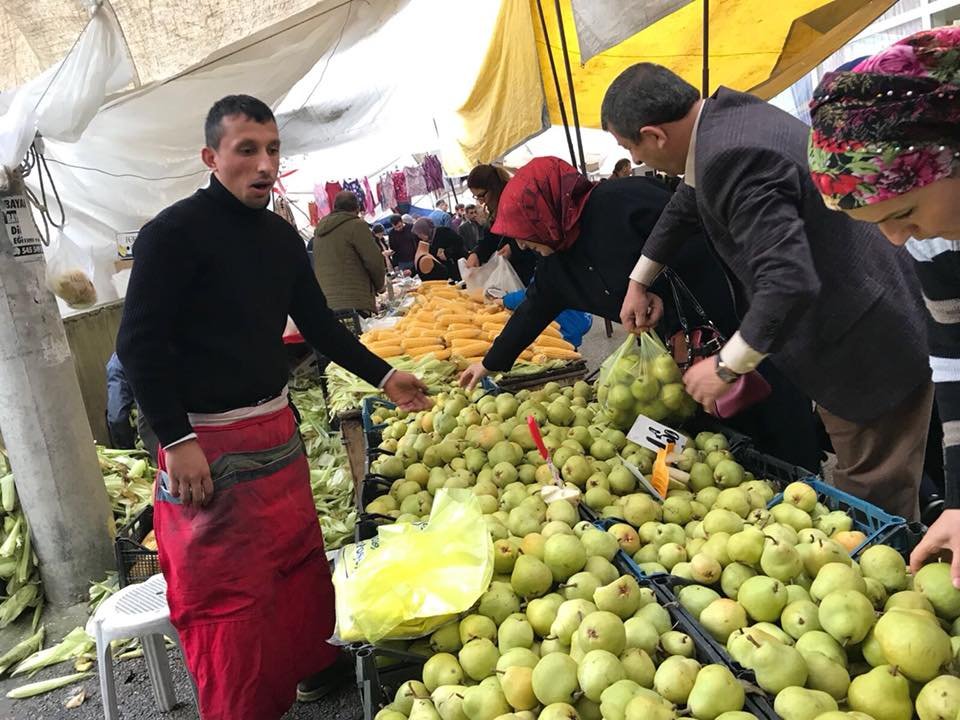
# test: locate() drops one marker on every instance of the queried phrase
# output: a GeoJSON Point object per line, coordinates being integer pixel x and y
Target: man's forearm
{"type": "Point", "coordinates": [739, 356]}
{"type": "Point", "coordinates": [646, 271]}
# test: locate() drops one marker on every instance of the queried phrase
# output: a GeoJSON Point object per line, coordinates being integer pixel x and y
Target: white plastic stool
{"type": "Point", "coordinates": [136, 611]}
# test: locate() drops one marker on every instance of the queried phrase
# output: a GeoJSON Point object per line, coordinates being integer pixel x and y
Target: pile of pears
{"type": "Point", "coordinates": [634, 382]}
{"type": "Point", "coordinates": [561, 634]}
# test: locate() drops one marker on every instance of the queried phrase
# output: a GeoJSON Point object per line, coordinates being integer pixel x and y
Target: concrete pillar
{"type": "Point", "coordinates": [44, 425]}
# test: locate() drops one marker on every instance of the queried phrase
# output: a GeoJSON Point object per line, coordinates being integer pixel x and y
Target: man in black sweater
{"type": "Point", "coordinates": [215, 278]}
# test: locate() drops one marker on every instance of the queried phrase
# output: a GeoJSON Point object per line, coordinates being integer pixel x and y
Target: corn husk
{"type": "Point", "coordinates": [22, 650]}
{"type": "Point", "coordinates": [76, 643]}
{"type": "Point", "coordinates": [44, 686]}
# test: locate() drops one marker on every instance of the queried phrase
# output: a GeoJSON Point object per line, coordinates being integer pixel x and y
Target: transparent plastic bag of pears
{"type": "Point", "coordinates": [642, 378]}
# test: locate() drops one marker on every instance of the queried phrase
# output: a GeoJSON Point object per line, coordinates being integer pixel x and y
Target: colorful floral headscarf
{"type": "Point", "coordinates": [891, 124]}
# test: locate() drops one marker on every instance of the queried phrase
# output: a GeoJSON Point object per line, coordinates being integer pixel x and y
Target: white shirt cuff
{"type": "Point", "coordinates": [189, 436]}
{"type": "Point", "coordinates": [646, 271]}
{"type": "Point", "coordinates": [739, 356]}
{"type": "Point", "coordinates": [386, 378]}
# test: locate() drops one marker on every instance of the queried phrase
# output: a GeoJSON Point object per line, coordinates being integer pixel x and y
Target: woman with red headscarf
{"type": "Point", "coordinates": [885, 149]}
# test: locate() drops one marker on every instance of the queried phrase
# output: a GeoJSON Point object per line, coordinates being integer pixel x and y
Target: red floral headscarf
{"type": "Point", "coordinates": [891, 125]}
{"type": "Point", "coordinates": [543, 203]}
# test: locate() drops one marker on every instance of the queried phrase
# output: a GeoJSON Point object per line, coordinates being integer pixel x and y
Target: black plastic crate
{"type": "Point", "coordinates": [380, 673]}
{"type": "Point", "coordinates": [136, 563]}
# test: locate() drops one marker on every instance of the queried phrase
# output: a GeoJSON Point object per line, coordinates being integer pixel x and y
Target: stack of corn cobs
{"type": "Point", "coordinates": [18, 563]}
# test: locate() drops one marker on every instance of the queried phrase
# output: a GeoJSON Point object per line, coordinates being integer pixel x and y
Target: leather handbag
{"type": "Point", "coordinates": [700, 342]}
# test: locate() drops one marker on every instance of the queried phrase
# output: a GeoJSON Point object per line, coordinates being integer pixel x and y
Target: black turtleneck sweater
{"type": "Point", "coordinates": [208, 299]}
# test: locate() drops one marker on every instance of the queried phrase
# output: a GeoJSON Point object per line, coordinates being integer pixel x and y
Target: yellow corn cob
{"type": "Point", "coordinates": [547, 341]}
{"type": "Point", "coordinates": [468, 334]}
{"type": "Point", "coordinates": [424, 350]}
{"type": "Point", "coordinates": [555, 352]}
{"type": "Point", "coordinates": [470, 347]}
{"type": "Point", "coordinates": [412, 343]}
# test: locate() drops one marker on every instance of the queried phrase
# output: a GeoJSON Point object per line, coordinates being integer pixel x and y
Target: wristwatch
{"type": "Point", "coordinates": [724, 372]}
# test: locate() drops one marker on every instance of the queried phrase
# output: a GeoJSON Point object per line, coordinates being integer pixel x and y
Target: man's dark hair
{"type": "Point", "coordinates": [377, 228]}
{"type": "Point", "coordinates": [394, 219]}
{"type": "Point", "coordinates": [459, 206]}
{"type": "Point", "coordinates": [621, 165]}
{"type": "Point", "coordinates": [256, 110]}
{"type": "Point", "coordinates": [346, 201]}
{"type": "Point", "coordinates": [645, 94]}
{"type": "Point", "coordinates": [468, 208]}
{"type": "Point", "coordinates": [440, 202]}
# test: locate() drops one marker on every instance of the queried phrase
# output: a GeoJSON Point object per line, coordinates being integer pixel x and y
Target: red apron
{"type": "Point", "coordinates": [248, 583]}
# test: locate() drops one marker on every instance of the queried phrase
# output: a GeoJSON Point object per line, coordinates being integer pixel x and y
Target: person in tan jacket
{"type": "Point", "coordinates": [346, 259]}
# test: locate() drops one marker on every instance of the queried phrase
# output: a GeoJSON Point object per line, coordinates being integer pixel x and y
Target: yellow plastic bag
{"type": "Point", "coordinates": [642, 378]}
{"type": "Point", "coordinates": [413, 577]}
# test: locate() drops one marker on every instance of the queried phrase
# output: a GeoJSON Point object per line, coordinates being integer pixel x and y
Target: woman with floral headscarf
{"type": "Point", "coordinates": [885, 149]}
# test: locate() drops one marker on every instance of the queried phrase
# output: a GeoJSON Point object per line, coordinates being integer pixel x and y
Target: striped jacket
{"type": "Point", "coordinates": [938, 267]}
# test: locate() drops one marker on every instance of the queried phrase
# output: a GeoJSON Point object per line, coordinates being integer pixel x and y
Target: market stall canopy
{"type": "Point", "coordinates": [758, 46]}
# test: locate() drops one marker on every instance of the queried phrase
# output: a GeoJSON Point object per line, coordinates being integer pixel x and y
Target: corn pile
{"type": "Point", "coordinates": [18, 563]}
{"type": "Point", "coordinates": [128, 477]}
{"type": "Point", "coordinates": [345, 391]}
{"type": "Point", "coordinates": [450, 324]}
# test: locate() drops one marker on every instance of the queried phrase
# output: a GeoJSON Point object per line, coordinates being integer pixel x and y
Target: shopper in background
{"type": "Point", "coordinates": [350, 269]}
{"type": "Point", "coordinates": [470, 230]}
{"type": "Point", "coordinates": [816, 291]}
{"type": "Point", "coordinates": [885, 149]}
{"type": "Point", "coordinates": [440, 217]}
{"type": "Point", "coordinates": [444, 246]}
{"type": "Point", "coordinates": [122, 427]}
{"type": "Point", "coordinates": [217, 275]}
{"type": "Point", "coordinates": [623, 168]}
{"type": "Point", "coordinates": [487, 182]}
{"type": "Point", "coordinates": [403, 243]}
{"type": "Point", "coordinates": [459, 215]}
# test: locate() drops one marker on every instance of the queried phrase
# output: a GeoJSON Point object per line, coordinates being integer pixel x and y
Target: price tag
{"type": "Point", "coordinates": [21, 230]}
{"type": "Point", "coordinates": [655, 436]}
{"type": "Point", "coordinates": [661, 474]}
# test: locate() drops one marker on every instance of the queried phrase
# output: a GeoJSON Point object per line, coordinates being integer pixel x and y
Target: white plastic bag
{"type": "Point", "coordinates": [70, 272]}
{"type": "Point", "coordinates": [495, 274]}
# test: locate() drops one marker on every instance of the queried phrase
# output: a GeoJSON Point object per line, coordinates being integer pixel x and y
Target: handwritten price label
{"type": "Point", "coordinates": [661, 474]}
{"type": "Point", "coordinates": [655, 436]}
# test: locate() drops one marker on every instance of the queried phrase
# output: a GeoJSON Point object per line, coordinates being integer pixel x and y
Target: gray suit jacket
{"type": "Point", "coordinates": [835, 303]}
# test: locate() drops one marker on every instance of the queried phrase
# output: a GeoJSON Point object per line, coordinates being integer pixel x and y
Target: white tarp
{"type": "Point", "coordinates": [601, 24]}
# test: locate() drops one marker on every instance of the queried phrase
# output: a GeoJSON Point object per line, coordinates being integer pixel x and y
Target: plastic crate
{"type": "Point", "coordinates": [380, 673]}
{"type": "Point", "coordinates": [876, 524]}
{"type": "Point", "coordinates": [135, 563]}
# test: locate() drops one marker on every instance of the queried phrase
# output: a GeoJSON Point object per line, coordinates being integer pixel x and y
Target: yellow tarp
{"type": "Point", "coordinates": [762, 46]}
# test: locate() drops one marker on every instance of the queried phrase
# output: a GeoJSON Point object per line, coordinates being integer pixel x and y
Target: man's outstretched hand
{"type": "Point", "coordinates": [641, 309]}
{"type": "Point", "coordinates": [407, 391]}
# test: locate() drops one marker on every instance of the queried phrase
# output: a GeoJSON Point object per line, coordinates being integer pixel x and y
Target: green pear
{"type": "Point", "coordinates": [602, 630]}
{"type": "Point", "coordinates": [736, 715]}
{"type": "Point", "coordinates": [675, 677]}
{"type": "Point", "coordinates": [821, 642]}
{"type": "Point", "coordinates": [484, 702]}
{"type": "Point", "coordinates": [797, 592]}
{"type": "Point", "coordinates": [389, 714]}
{"type": "Point", "coordinates": [670, 554]}
{"type": "Point", "coordinates": [726, 473]}
{"type": "Point", "coordinates": [442, 669]}
{"type": "Point", "coordinates": [722, 520]}
{"type": "Point", "coordinates": [733, 577]}
{"type": "Point", "coordinates": [834, 522]}
{"type": "Point", "coordinates": [473, 627]}
{"type": "Point", "coordinates": [585, 708]}
{"type": "Point", "coordinates": [800, 495]}
{"type": "Point", "coordinates": [531, 577]}
{"type": "Point", "coordinates": [621, 597]}
{"type": "Point", "coordinates": [555, 679]}
{"type": "Point", "coordinates": [640, 633]}
{"type": "Point", "coordinates": [871, 651]}
{"type": "Point", "coordinates": [640, 508]}
{"type": "Point", "coordinates": [645, 706]}
{"type": "Point", "coordinates": [716, 547]}
{"type": "Point", "coordinates": [939, 699]}
{"type": "Point", "coordinates": [715, 692]}
{"type": "Point", "coordinates": [514, 632]}
{"type": "Point", "coordinates": [847, 615]}
{"type": "Point", "coordinates": [542, 611]}
{"type": "Point", "coordinates": [569, 616]}
{"type": "Point", "coordinates": [826, 675]}
{"type": "Point", "coordinates": [809, 535]}
{"type": "Point", "coordinates": [564, 555]}
{"type": "Point", "coordinates": [836, 576]}
{"type": "Point", "coordinates": [792, 516]}
{"type": "Point", "coordinates": [598, 542]}
{"type": "Point", "coordinates": [746, 546]}
{"type": "Point", "coordinates": [797, 703]}
{"type": "Point", "coordinates": [778, 666]}
{"type": "Point", "coordinates": [775, 631]}
{"type": "Point", "coordinates": [559, 711]}
{"type": "Point", "coordinates": [638, 666]}
{"type": "Point", "coordinates": [820, 553]}
{"type": "Point", "coordinates": [800, 617]}
{"type": "Point", "coordinates": [935, 583]}
{"type": "Point", "coordinates": [781, 533]}
{"type": "Point", "coordinates": [735, 500]}
{"type": "Point", "coordinates": [597, 671]}
{"type": "Point", "coordinates": [910, 600]}
{"type": "Point", "coordinates": [517, 656]}
{"type": "Point", "coordinates": [602, 569]}
{"type": "Point", "coordinates": [705, 569]}
{"type": "Point", "coordinates": [678, 643]}
{"type": "Point", "coordinates": [614, 700]}
{"type": "Point", "coordinates": [478, 658]}
{"type": "Point", "coordinates": [656, 615]}
{"type": "Point", "coordinates": [883, 694]}
{"type": "Point", "coordinates": [517, 685]}
{"type": "Point", "coordinates": [407, 693]}
{"type": "Point", "coordinates": [722, 617]}
{"type": "Point", "coordinates": [743, 643]}
{"type": "Point", "coordinates": [885, 564]}
{"type": "Point", "coordinates": [677, 510]}
{"type": "Point", "coordinates": [780, 560]}
{"type": "Point", "coordinates": [876, 592]}
{"type": "Point", "coordinates": [914, 642]}
{"type": "Point", "coordinates": [764, 598]}
{"type": "Point", "coordinates": [582, 585]}
{"type": "Point", "coordinates": [423, 709]}
{"type": "Point", "coordinates": [448, 700]}
{"type": "Point", "coordinates": [696, 597]}
{"type": "Point", "coordinates": [446, 639]}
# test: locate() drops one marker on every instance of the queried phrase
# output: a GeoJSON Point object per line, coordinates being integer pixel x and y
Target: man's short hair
{"type": "Point", "coordinates": [378, 228]}
{"type": "Point", "coordinates": [470, 207]}
{"type": "Point", "coordinates": [346, 201]}
{"type": "Point", "coordinates": [394, 219]}
{"type": "Point", "coordinates": [440, 202]}
{"type": "Point", "coordinates": [245, 105]}
{"type": "Point", "coordinates": [645, 94]}
{"type": "Point", "coordinates": [459, 206]}
{"type": "Point", "coordinates": [622, 164]}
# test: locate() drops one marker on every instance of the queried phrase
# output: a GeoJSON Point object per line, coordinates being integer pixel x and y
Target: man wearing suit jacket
{"type": "Point", "coordinates": [814, 292]}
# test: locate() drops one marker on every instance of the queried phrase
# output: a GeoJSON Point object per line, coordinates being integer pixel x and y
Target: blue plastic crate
{"type": "Point", "coordinates": [876, 524]}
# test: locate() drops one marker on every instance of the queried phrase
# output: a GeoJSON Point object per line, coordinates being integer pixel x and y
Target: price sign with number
{"type": "Point", "coordinates": [655, 436]}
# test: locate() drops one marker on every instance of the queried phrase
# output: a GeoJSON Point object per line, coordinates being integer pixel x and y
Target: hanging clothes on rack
{"type": "Point", "coordinates": [281, 206]}
{"type": "Point", "coordinates": [370, 205]}
{"type": "Point", "coordinates": [400, 187]}
{"type": "Point", "coordinates": [416, 183]}
{"type": "Point", "coordinates": [332, 188]}
{"type": "Point", "coordinates": [323, 202]}
{"type": "Point", "coordinates": [313, 212]}
{"type": "Point", "coordinates": [432, 173]}
{"type": "Point", "coordinates": [355, 187]}
{"type": "Point", "coordinates": [388, 193]}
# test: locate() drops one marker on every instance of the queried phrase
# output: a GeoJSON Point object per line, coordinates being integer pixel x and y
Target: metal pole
{"type": "Point", "coordinates": [706, 48]}
{"type": "Point", "coordinates": [573, 94]}
{"type": "Point", "coordinates": [45, 427]}
{"type": "Point", "coordinates": [556, 83]}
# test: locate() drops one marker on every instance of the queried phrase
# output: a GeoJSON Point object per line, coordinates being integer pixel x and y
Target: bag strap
{"type": "Point", "coordinates": [682, 293]}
